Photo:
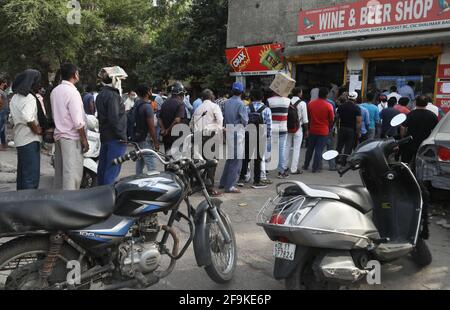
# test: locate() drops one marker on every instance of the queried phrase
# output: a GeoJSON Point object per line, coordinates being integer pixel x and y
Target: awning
{"type": "Point", "coordinates": [400, 40]}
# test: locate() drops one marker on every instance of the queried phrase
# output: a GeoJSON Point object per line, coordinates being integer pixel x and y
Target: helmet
{"type": "Point", "coordinates": [178, 89]}
{"type": "Point", "coordinates": [353, 95]}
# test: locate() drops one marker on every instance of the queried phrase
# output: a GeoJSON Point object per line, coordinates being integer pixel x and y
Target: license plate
{"type": "Point", "coordinates": [284, 250]}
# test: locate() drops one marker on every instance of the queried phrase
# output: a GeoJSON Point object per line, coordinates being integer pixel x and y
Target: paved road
{"type": "Point", "coordinates": [255, 261]}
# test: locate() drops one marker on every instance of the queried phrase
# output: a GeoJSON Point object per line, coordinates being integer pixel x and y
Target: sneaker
{"type": "Point", "coordinates": [267, 182]}
{"type": "Point", "coordinates": [259, 185]}
{"type": "Point", "coordinates": [283, 175]}
{"type": "Point", "coordinates": [240, 183]}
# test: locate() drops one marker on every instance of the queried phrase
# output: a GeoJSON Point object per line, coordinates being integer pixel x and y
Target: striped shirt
{"type": "Point", "coordinates": [280, 108]}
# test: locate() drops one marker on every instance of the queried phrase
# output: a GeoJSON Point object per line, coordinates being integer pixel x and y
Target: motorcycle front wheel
{"type": "Point", "coordinates": [223, 256]}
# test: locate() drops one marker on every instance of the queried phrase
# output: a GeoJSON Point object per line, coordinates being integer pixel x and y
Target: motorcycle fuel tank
{"type": "Point", "coordinates": [147, 194]}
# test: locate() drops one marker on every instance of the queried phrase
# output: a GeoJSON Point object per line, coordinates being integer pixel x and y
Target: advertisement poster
{"type": "Point", "coordinates": [373, 17]}
{"type": "Point", "coordinates": [255, 60]}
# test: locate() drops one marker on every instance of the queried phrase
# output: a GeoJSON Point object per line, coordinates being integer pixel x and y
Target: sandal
{"type": "Point", "coordinates": [214, 193]}
{"type": "Point", "coordinates": [234, 191]}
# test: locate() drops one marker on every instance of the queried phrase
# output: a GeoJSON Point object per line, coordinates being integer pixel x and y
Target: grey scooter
{"type": "Point", "coordinates": [326, 235]}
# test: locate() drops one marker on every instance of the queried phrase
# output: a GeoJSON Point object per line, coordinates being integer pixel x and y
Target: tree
{"type": "Point", "coordinates": [191, 46]}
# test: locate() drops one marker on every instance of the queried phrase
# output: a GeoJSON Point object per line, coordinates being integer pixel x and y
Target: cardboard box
{"type": "Point", "coordinates": [283, 85]}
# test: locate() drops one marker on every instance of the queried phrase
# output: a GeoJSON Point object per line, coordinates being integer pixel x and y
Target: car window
{"type": "Point", "coordinates": [445, 125]}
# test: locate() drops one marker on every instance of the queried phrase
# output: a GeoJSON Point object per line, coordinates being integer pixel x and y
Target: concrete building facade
{"type": "Point", "coordinates": [407, 40]}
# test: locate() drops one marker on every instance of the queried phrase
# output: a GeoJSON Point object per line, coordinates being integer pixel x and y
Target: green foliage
{"type": "Point", "coordinates": [183, 39]}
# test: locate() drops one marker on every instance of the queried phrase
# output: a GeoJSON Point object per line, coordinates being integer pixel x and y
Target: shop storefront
{"type": "Point", "coordinates": [256, 66]}
{"type": "Point", "coordinates": [375, 45]}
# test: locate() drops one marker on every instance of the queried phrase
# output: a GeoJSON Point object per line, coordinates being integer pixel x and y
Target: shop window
{"type": "Point", "coordinates": [386, 73]}
{"type": "Point", "coordinates": [311, 76]}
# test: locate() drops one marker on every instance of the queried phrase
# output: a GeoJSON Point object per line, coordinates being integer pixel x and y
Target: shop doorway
{"type": "Point", "coordinates": [383, 74]}
{"type": "Point", "coordinates": [311, 76]}
{"type": "Point", "coordinates": [259, 81]}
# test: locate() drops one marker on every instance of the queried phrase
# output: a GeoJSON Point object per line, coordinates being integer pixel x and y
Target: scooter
{"type": "Point", "coordinates": [325, 236]}
{"type": "Point", "coordinates": [90, 163]}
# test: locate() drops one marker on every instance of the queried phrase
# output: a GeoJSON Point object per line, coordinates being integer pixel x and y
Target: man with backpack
{"type": "Point", "coordinates": [297, 118]}
{"type": "Point", "coordinates": [141, 127]}
{"type": "Point", "coordinates": [260, 117]}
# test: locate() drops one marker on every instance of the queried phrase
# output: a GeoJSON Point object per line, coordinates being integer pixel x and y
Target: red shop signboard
{"type": "Point", "coordinates": [373, 17]}
{"type": "Point", "coordinates": [255, 60]}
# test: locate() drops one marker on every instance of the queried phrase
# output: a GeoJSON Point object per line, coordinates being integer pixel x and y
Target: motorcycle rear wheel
{"type": "Point", "coordinates": [21, 259]}
{"type": "Point", "coordinates": [223, 256]}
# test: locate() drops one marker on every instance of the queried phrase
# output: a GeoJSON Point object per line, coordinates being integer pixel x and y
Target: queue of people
{"type": "Point", "coordinates": [265, 128]}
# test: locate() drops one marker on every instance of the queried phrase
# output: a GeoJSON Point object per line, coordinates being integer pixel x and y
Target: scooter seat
{"type": "Point", "coordinates": [353, 195]}
{"type": "Point", "coordinates": [51, 210]}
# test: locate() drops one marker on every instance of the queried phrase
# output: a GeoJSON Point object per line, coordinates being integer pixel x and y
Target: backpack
{"type": "Point", "coordinates": [133, 132]}
{"type": "Point", "coordinates": [255, 117]}
{"type": "Point", "coordinates": [293, 122]}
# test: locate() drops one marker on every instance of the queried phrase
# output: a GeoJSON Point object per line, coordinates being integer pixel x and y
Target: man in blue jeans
{"type": "Point", "coordinates": [113, 126]}
{"type": "Point", "coordinates": [145, 128]}
{"type": "Point", "coordinates": [321, 119]}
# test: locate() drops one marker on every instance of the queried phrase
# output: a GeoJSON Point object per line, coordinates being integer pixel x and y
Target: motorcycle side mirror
{"type": "Point", "coordinates": [330, 155]}
{"type": "Point", "coordinates": [398, 120]}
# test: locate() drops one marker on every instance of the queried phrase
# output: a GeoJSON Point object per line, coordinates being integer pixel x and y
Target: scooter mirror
{"type": "Point", "coordinates": [398, 120]}
{"type": "Point", "coordinates": [330, 155]}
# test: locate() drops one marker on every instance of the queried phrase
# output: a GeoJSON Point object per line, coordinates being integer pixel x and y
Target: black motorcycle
{"type": "Point", "coordinates": [112, 233]}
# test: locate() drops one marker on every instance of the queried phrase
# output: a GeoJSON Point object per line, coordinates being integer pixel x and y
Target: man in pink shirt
{"type": "Point", "coordinates": [70, 135]}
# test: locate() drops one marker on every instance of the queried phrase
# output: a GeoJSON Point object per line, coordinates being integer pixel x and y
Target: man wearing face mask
{"type": "Point", "coordinates": [70, 135]}
{"type": "Point", "coordinates": [129, 103]}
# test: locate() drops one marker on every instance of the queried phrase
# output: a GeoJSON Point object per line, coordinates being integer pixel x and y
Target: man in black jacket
{"type": "Point", "coordinates": [113, 128]}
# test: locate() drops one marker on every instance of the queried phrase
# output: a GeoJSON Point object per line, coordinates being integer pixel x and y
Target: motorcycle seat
{"type": "Point", "coordinates": [53, 210]}
{"type": "Point", "coordinates": [354, 195]}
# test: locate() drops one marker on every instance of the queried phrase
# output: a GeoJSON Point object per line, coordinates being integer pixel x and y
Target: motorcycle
{"type": "Point", "coordinates": [113, 233]}
{"type": "Point", "coordinates": [325, 236]}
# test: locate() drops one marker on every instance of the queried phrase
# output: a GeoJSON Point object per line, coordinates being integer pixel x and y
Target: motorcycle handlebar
{"type": "Point", "coordinates": [120, 160]}
{"type": "Point", "coordinates": [345, 170]}
{"type": "Point", "coordinates": [405, 140]}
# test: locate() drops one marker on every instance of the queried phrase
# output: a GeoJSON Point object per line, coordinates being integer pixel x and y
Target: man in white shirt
{"type": "Point", "coordinates": [208, 123]}
{"type": "Point", "coordinates": [129, 103]}
{"type": "Point", "coordinates": [27, 132]}
{"type": "Point", "coordinates": [294, 140]}
{"type": "Point", "coordinates": [394, 93]}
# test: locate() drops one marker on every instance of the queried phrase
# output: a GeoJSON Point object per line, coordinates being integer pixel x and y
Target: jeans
{"type": "Point", "coordinates": [3, 121]}
{"type": "Point", "coordinates": [107, 172]}
{"type": "Point", "coordinates": [282, 152]}
{"type": "Point", "coordinates": [28, 166]}
{"type": "Point", "coordinates": [294, 140]}
{"type": "Point", "coordinates": [316, 145]}
{"type": "Point", "coordinates": [148, 160]}
{"type": "Point", "coordinates": [248, 154]}
{"type": "Point", "coordinates": [210, 172]}
{"type": "Point", "coordinates": [233, 166]}
{"type": "Point", "coordinates": [331, 147]}
{"type": "Point", "coordinates": [347, 139]}
{"type": "Point", "coordinates": [371, 134]}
